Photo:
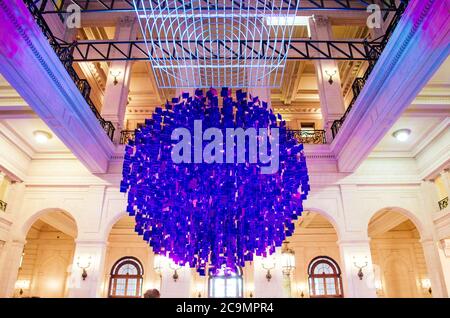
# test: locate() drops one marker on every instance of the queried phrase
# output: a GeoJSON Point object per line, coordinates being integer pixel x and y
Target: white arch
{"type": "Point", "coordinates": [327, 216]}
{"type": "Point", "coordinates": [411, 216]}
{"type": "Point", "coordinates": [31, 219]}
{"type": "Point", "coordinates": [109, 224]}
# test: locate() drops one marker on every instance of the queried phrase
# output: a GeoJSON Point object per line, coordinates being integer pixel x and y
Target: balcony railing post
{"type": "Point", "coordinates": [443, 204]}
{"type": "Point", "coordinates": [3, 205]}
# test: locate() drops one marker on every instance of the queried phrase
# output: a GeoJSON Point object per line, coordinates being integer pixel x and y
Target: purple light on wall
{"type": "Point", "coordinates": [218, 214]}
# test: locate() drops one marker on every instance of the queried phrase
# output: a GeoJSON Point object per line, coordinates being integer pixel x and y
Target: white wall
{"type": "Point", "coordinates": [347, 201]}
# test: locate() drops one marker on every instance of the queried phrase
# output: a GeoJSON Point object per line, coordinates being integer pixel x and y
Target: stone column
{"type": "Point", "coordinates": [118, 82]}
{"type": "Point", "coordinates": [10, 267]}
{"type": "Point", "coordinates": [353, 254]}
{"type": "Point", "coordinates": [90, 254]}
{"type": "Point", "coordinates": [435, 267]}
{"type": "Point", "coordinates": [331, 97]}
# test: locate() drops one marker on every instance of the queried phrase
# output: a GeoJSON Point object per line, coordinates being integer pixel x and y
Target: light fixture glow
{"type": "Point", "coordinates": [22, 284]}
{"type": "Point", "coordinates": [426, 284]}
{"type": "Point", "coordinates": [402, 135]}
{"type": "Point", "coordinates": [41, 136]}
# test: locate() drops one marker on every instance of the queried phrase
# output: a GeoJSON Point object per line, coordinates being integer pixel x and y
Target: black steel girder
{"type": "Point", "coordinates": [108, 6]}
{"type": "Point", "coordinates": [299, 49]}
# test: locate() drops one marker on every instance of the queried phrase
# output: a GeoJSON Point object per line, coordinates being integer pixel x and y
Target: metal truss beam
{"type": "Point", "coordinates": [299, 49]}
{"type": "Point", "coordinates": [109, 6]}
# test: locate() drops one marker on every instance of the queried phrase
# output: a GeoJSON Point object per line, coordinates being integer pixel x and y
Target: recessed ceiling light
{"type": "Point", "coordinates": [42, 136]}
{"type": "Point", "coordinates": [402, 134]}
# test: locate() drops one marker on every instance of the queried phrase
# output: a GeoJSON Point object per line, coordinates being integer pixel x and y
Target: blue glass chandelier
{"type": "Point", "coordinates": [212, 215]}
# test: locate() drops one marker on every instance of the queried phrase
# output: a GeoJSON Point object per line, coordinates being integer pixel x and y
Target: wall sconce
{"type": "Point", "coordinates": [161, 261]}
{"type": "Point", "coordinates": [21, 285]}
{"type": "Point", "coordinates": [250, 289]}
{"type": "Point", "coordinates": [301, 290]}
{"type": "Point", "coordinates": [199, 290]}
{"type": "Point", "coordinates": [360, 267]}
{"type": "Point", "coordinates": [426, 284]}
{"type": "Point", "coordinates": [84, 266]}
{"type": "Point", "coordinates": [175, 267]}
{"type": "Point", "coordinates": [331, 76]}
{"type": "Point", "coordinates": [268, 263]}
{"type": "Point", "coordinates": [115, 74]}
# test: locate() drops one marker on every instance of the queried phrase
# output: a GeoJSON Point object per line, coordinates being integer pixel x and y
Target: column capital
{"type": "Point", "coordinates": [321, 20]}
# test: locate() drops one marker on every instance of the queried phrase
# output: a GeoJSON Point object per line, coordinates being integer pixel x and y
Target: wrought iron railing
{"type": "Point", "coordinates": [359, 82]}
{"type": "Point", "coordinates": [126, 135]}
{"type": "Point", "coordinates": [64, 51]}
{"type": "Point", "coordinates": [3, 205]}
{"type": "Point", "coordinates": [443, 204]}
{"type": "Point", "coordinates": [315, 137]}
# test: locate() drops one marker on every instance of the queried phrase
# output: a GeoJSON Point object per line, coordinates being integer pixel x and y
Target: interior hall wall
{"type": "Point", "coordinates": [402, 264]}
{"type": "Point", "coordinates": [46, 261]}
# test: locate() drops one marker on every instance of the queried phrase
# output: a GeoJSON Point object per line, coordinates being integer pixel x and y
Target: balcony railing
{"type": "Point", "coordinates": [443, 204]}
{"type": "Point", "coordinates": [126, 135]}
{"type": "Point", "coordinates": [64, 51]}
{"type": "Point", "coordinates": [315, 137]}
{"type": "Point", "coordinates": [3, 205]}
{"type": "Point", "coordinates": [359, 82]}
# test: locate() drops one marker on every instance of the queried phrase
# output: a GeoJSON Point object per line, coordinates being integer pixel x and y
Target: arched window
{"type": "Point", "coordinates": [126, 278]}
{"type": "Point", "coordinates": [324, 278]}
{"type": "Point", "coordinates": [225, 283]}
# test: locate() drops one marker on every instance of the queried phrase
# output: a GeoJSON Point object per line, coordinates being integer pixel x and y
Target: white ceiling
{"type": "Point", "coordinates": [18, 122]}
{"type": "Point", "coordinates": [430, 108]}
{"type": "Point", "coordinates": [420, 127]}
{"type": "Point", "coordinates": [23, 129]}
